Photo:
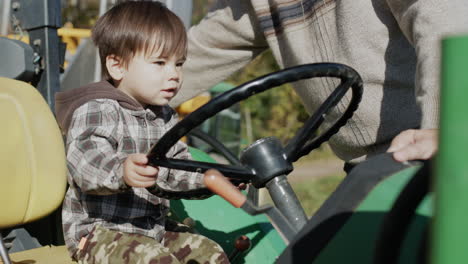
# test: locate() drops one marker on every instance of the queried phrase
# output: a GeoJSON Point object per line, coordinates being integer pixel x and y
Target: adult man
{"type": "Point", "coordinates": [393, 44]}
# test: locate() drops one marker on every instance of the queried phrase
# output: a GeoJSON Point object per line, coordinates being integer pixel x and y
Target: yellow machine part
{"type": "Point", "coordinates": [193, 104]}
{"type": "Point", "coordinates": [32, 156]}
{"type": "Point", "coordinates": [71, 36]}
{"type": "Point", "coordinates": [42, 255]}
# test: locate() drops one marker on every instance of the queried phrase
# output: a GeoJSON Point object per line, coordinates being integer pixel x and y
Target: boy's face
{"type": "Point", "coordinates": [152, 79]}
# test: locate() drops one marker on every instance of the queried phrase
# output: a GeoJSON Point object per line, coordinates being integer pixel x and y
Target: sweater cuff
{"type": "Point", "coordinates": [430, 114]}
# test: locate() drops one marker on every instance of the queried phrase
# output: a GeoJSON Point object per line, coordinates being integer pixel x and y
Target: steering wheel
{"type": "Point", "coordinates": [301, 144]}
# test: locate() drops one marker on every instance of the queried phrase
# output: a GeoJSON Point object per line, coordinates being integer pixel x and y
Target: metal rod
{"type": "Point", "coordinates": [286, 201]}
{"type": "Point", "coordinates": [48, 46]}
{"type": "Point", "coordinates": [170, 4]}
{"type": "Point", "coordinates": [6, 17]}
{"type": "Point", "coordinates": [253, 195]}
{"type": "Point", "coordinates": [97, 68]}
{"type": "Point", "coordinates": [279, 221]}
{"type": "Point", "coordinates": [4, 252]}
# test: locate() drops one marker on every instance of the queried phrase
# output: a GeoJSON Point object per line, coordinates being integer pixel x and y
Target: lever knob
{"type": "Point", "coordinates": [242, 243]}
{"type": "Point", "coordinates": [218, 184]}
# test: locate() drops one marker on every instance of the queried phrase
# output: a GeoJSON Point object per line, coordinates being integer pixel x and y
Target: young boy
{"type": "Point", "coordinates": [108, 214]}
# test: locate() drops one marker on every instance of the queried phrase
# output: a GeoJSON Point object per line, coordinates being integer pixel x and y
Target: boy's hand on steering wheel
{"type": "Point", "coordinates": [414, 144]}
{"type": "Point", "coordinates": [137, 173]}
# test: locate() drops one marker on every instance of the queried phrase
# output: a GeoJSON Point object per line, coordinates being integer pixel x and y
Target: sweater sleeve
{"type": "Point", "coordinates": [425, 23]}
{"type": "Point", "coordinates": [94, 164]}
{"type": "Point", "coordinates": [226, 40]}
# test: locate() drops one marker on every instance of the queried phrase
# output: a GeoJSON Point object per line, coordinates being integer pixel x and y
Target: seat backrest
{"type": "Point", "coordinates": [32, 155]}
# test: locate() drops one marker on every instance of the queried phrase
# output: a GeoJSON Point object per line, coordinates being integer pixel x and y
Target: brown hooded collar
{"type": "Point", "coordinates": [68, 101]}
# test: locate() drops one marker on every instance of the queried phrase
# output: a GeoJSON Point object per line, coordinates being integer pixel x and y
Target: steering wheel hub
{"type": "Point", "coordinates": [267, 158]}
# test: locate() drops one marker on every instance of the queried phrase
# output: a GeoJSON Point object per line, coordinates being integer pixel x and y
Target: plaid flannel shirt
{"type": "Point", "coordinates": [101, 135]}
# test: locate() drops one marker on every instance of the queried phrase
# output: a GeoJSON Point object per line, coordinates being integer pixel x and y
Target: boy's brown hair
{"type": "Point", "coordinates": [132, 27]}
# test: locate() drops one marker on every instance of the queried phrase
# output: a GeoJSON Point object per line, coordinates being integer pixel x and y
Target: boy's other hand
{"type": "Point", "coordinates": [413, 144]}
{"type": "Point", "coordinates": [137, 173]}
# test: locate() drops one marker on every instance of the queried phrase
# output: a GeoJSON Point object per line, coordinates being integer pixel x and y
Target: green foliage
{"type": "Point", "coordinates": [200, 9]}
{"type": "Point", "coordinates": [277, 112]}
{"type": "Point", "coordinates": [81, 15]}
{"type": "Point", "coordinates": [314, 192]}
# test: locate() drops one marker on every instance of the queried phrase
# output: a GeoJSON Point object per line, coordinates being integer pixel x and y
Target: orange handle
{"type": "Point", "coordinates": [218, 184]}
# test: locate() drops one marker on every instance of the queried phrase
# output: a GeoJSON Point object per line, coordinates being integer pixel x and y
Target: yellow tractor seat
{"type": "Point", "coordinates": [32, 166]}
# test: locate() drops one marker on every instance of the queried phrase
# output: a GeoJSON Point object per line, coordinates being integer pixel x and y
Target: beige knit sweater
{"type": "Point", "coordinates": [393, 44]}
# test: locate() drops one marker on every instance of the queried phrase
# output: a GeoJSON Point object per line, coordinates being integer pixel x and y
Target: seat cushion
{"type": "Point", "coordinates": [45, 255]}
{"type": "Point", "coordinates": [32, 157]}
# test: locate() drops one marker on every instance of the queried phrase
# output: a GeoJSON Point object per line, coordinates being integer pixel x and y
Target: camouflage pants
{"type": "Point", "coordinates": [109, 247]}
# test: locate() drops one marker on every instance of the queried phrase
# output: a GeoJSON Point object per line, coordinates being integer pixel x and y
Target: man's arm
{"type": "Point", "coordinates": [424, 24]}
{"type": "Point", "coordinates": [226, 40]}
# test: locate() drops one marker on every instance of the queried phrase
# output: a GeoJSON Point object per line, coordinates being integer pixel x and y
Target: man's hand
{"type": "Point", "coordinates": [137, 173]}
{"type": "Point", "coordinates": [414, 144]}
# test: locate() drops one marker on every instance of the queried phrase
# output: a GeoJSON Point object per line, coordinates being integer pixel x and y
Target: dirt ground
{"type": "Point", "coordinates": [317, 168]}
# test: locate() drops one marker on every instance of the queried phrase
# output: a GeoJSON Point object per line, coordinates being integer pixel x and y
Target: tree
{"type": "Point", "coordinates": [277, 112]}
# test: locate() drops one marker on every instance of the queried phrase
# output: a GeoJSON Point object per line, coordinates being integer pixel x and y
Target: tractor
{"type": "Point", "coordinates": [382, 212]}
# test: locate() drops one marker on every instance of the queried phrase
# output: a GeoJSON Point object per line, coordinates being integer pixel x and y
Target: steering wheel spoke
{"type": "Point", "coordinates": [302, 144]}
{"type": "Point", "coordinates": [234, 172]}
